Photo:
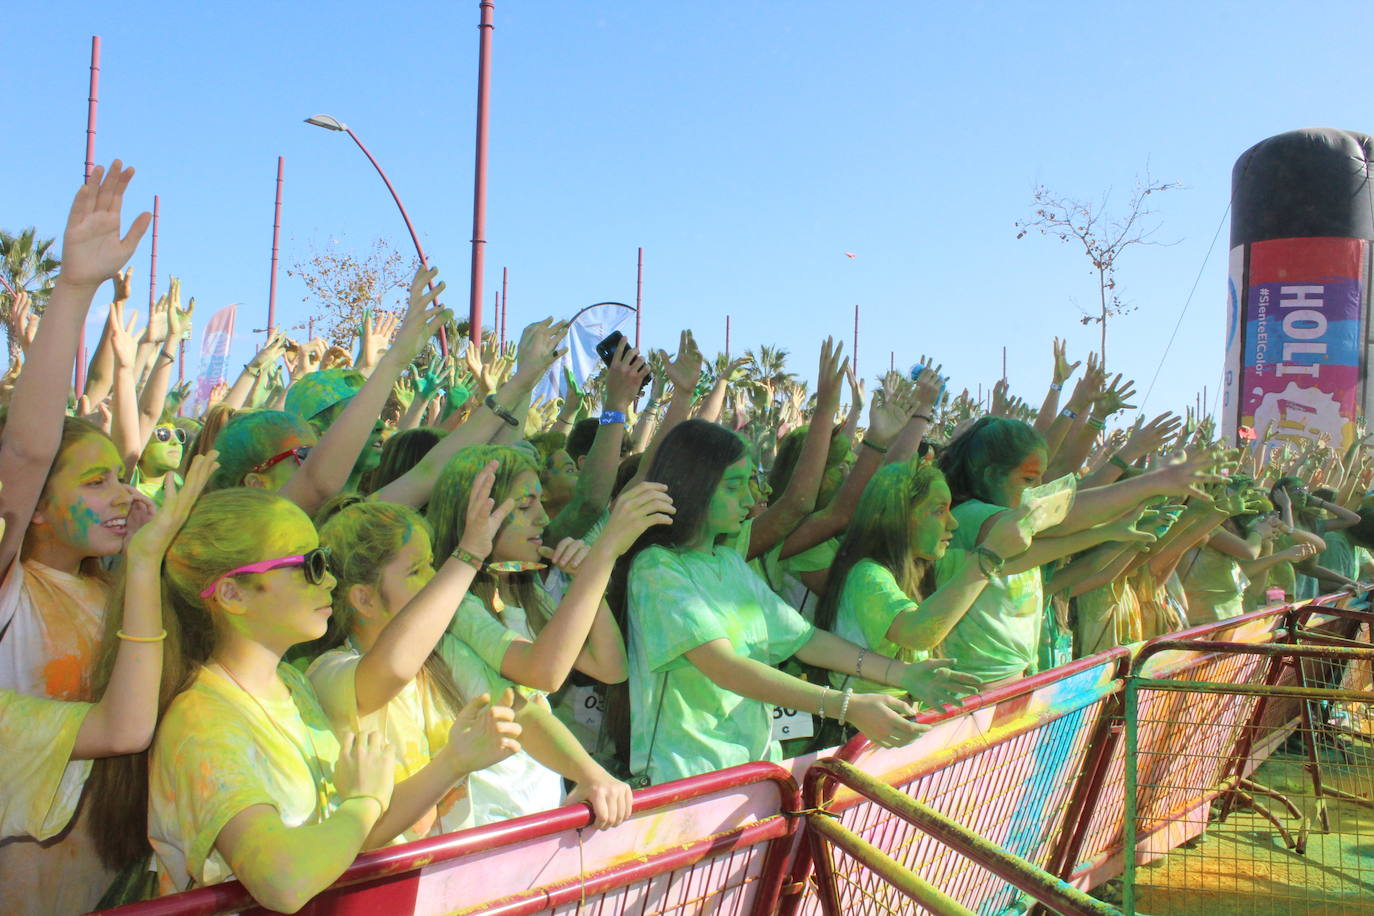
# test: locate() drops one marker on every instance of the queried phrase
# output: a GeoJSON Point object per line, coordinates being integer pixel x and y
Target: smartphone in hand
{"type": "Point", "coordinates": [609, 346]}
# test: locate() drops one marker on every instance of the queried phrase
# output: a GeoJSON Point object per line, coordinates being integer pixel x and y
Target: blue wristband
{"type": "Point", "coordinates": [611, 416]}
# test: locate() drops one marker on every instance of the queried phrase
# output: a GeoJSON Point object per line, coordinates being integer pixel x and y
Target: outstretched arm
{"type": "Point", "coordinates": [92, 252]}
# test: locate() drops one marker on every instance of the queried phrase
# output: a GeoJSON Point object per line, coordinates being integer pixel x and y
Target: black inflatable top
{"type": "Point", "coordinates": [1304, 183]}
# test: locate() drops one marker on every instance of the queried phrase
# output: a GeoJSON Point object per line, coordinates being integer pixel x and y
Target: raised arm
{"type": "Point", "coordinates": [125, 428]}
{"type": "Point", "coordinates": [122, 721]}
{"type": "Point", "coordinates": [798, 499]}
{"type": "Point", "coordinates": [92, 252]}
{"type": "Point", "coordinates": [326, 471]}
{"type": "Point", "coordinates": [537, 351]}
{"type": "Point", "coordinates": [545, 662]}
{"type": "Point", "coordinates": [1063, 370]}
{"type": "Point", "coordinates": [407, 640]}
{"type": "Point", "coordinates": [100, 375]}
{"type": "Point", "coordinates": [595, 481]}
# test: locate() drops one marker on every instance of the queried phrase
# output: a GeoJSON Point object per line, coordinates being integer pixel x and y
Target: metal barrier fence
{"type": "Point", "coordinates": [1287, 835]}
{"type": "Point", "coordinates": [890, 887]}
{"type": "Point", "coordinates": [716, 843]}
{"type": "Point", "coordinates": [1036, 769]}
{"type": "Point", "coordinates": [1010, 765]}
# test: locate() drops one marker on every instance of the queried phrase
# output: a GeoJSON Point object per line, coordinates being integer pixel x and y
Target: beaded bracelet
{"type": "Point", "coordinates": [880, 449]}
{"type": "Point", "coordinates": [126, 637]}
{"type": "Point", "coordinates": [844, 703]}
{"type": "Point", "coordinates": [859, 665]}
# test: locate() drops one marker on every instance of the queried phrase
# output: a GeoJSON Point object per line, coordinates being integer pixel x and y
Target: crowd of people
{"type": "Point", "coordinates": [256, 641]}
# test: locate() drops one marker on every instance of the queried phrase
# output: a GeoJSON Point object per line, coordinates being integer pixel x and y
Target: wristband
{"type": "Point", "coordinates": [126, 637]}
{"type": "Point", "coordinates": [1068, 414]}
{"type": "Point", "coordinates": [250, 369]}
{"type": "Point", "coordinates": [465, 556]}
{"type": "Point", "coordinates": [844, 703]}
{"type": "Point", "coordinates": [609, 417]}
{"type": "Point", "coordinates": [1097, 424]}
{"type": "Point", "coordinates": [922, 416]}
{"type": "Point", "coordinates": [825, 692]}
{"type": "Point", "coordinates": [1057, 387]}
{"type": "Point", "coordinates": [500, 411]}
{"type": "Point", "coordinates": [880, 449]}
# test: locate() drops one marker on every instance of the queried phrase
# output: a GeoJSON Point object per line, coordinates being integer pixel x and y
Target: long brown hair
{"type": "Point", "coordinates": [447, 512]}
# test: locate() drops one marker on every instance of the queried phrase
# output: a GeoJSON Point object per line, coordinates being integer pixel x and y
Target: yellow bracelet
{"type": "Point", "coordinates": [125, 636]}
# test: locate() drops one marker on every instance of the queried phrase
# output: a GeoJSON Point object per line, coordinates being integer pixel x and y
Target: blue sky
{"type": "Point", "coordinates": [745, 146]}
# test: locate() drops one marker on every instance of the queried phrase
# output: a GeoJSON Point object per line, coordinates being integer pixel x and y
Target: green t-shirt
{"type": "Point", "coordinates": [869, 602]}
{"type": "Point", "coordinates": [677, 601]}
{"type": "Point", "coordinates": [999, 636]}
{"type": "Point", "coordinates": [1215, 584]}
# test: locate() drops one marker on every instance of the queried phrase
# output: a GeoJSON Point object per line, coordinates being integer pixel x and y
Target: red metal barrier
{"type": "Point", "coordinates": [714, 842]}
{"type": "Point", "coordinates": [1008, 765]}
{"type": "Point", "coordinates": [1035, 767]}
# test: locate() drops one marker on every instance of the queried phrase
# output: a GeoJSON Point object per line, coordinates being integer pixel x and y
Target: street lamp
{"type": "Point", "coordinates": [330, 123]}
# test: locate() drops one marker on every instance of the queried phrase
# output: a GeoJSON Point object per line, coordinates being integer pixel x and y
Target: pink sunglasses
{"type": "Point", "coordinates": [315, 563]}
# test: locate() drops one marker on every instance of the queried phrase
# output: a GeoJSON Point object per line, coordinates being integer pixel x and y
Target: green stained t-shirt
{"type": "Point", "coordinates": [999, 636]}
{"type": "Point", "coordinates": [869, 602]}
{"type": "Point", "coordinates": [677, 601]}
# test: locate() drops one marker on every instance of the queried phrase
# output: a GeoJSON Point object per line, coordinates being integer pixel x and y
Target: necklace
{"type": "Point", "coordinates": [311, 760]}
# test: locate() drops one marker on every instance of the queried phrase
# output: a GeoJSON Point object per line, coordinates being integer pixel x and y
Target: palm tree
{"type": "Point", "coordinates": [26, 263]}
{"type": "Point", "coordinates": [771, 383]}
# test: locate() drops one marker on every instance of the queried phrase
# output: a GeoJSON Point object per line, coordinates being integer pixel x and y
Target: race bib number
{"type": "Point", "coordinates": [588, 707]}
{"type": "Point", "coordinates": [790, 723]}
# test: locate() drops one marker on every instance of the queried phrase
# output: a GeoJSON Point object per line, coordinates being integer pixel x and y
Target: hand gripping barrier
{"type": "Point", "coordinates": [712, 843]}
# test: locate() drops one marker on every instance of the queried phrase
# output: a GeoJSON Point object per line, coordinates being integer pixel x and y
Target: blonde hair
{"type": "Point", "coordinates": [362, 538]}
{"type": "Point", "coordinates": [224, 531]}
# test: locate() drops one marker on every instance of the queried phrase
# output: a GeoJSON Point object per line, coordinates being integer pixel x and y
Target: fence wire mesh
{"type": "Point", "coordinates": [1254, 797]}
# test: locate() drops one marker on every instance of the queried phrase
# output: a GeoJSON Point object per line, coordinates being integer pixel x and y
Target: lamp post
{"type": "Point", "coordinates": [329, 123]}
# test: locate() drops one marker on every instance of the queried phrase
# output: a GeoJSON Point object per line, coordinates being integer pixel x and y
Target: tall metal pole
{"type": "Point", "coordinates": [1004, 364]}
{"type": "Point", "coordinates": [639, 296]}
{"type": "Point", "coordinates": [479, 182]}
{"type": "Point", "coordinates": [276, 236]}
{"type": "Point", "coordinates": [505, 304]}
{"type": "Point", "coordinates": [419, 249]}
{"type": "Point", "coordinates": [92, 105]}
{"type": "Point", "coordinates": [727, 338]}
{"type": "Point", "coordinates": [891, 360]}
{"type": "Point", "coordinates": [496, 317]}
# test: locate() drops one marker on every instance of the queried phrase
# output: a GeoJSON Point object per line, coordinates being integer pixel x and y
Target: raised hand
{"type": "Point", "coordinates": [538, 348]}
{"type": "Point", "coordinates": [423, 318]}
{"type": "Point", "coordinates": [483, 517]}
{"type": "Point", "coordinates": [308, 357]}
{"type": "Point", "coordinates": [92, 251]}
{"type": "Point", "coordinates": [858, 396]}
{"type": "Point", "coordinates": [159, 320]}
{"type": "Point", "coordinates": [635, 511]}
{"type": "Point", "coordinates": [24, 319]}
{"type": "Point", "coordinates": [484, 733]}
{"type": "Point", "coordinates": [377, 329]}
{"type": "Point", "coordinates": [1063, 369]}
{"type": "Point", "coordinates": [336, 357]}
{"type": "Point", "coordinates": [685, 368]}
{"type": "Point", "coordinates": [365, 768]}
{"type": "Point", "coordinates": [179, 319]}
{"type": "Point", "coordinates": [150, 531]}
{"type": "Point", "coordinates": [889, 412]}
{"type": "Point", "coordinates": [123, 338]}
{"type": "Point", "coordinates": [1114, 397]}
{"type": "Point", "coordinates": [123, 284]}
{"type": "Point", "coordinates": [624, 378]}
{"type": "Point", "coordinates": [830, 375]}
{"type": "Point", "coordinates": [568, 555]}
